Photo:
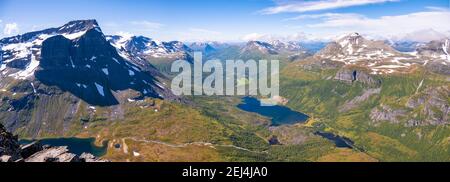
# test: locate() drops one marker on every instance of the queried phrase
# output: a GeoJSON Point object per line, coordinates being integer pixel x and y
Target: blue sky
{"type": "Point", "coordinates": [231, 20]}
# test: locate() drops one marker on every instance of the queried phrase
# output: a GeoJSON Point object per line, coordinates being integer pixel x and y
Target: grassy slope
{"type": "Point", "coordinates": [310, 92]}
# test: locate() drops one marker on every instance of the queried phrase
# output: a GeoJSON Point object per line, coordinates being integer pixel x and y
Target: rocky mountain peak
{"type": "Point", "coordinates": [259, 46]}
{"type": "Point", "coordinates": [377, 56]}
{"type": "Point", "coordinates": [78, 26]}
{"type": "Point", "coordinates": [351, 41]}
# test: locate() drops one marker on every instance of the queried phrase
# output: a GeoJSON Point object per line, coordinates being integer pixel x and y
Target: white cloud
{"type": "Point", "coordinates": [306, 6]}
{"type": "Point", "coordinates": [300, 36]}
{"type": "Point", "coordinates": [11, 28]}
{"type": "Point", "coordinates": [147, 25]}
{"type": "Point", "coordinates": [386, 26]}
{"type": "Point", "coordinates": [329, 16]}
{"type": "Point", "coordinates": [125, 34]}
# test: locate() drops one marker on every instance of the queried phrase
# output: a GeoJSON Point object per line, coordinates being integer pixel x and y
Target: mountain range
{"type": "Point", "coordinates": [390, 98]}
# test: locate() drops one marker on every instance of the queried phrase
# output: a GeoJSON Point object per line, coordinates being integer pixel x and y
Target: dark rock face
{"type": "Point", "coordinates": [30, 149]}
{"type": "Point", "coordinates": [350, 76]}
{"type": "Point", "coordinates": [19, 62]}
{"type": "Point", "coordinates": [90, 68]}
{"type": "Point", "coordinates": [11, 151]}
{"type": "Point", "coordinates": [274, 140]}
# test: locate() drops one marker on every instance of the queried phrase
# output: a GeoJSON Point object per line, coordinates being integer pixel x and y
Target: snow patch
{"type": "Point", "coordinates": [32, 85]}
{"type": "Point", "coordinates": [99, 89]}
{"type": "Point", "coordinates": [29, 70]}
{"type": "Point", "coordinates": [420, 85]}
{"type": "Point", "coordinates": [74, 35]}
{"type": "Point", "coordinates": [116, 60]}
{"type": "Point", "coordinates": [444, 48]}
{"type": "Point", "coordinates": [71, 62]}
{"type": "Point", "coordinates": [105, 70]}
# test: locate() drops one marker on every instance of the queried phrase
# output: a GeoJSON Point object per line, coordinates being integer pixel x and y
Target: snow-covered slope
{"type": "Point", "coordinates": [273, 47]}
{"type": "Point", "coordinates": [143, 46]}
{"type": "Point", "coordinates": [21, 53]}
{"type": "Point", "coordinates": [380, 58]}
{"type": "Point", "coordinates": [438, 49]}
{"type": "Point", "coordinates": [286, 46]}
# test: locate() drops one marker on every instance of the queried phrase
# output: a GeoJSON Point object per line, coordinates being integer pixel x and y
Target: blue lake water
{"type": "Point", "coordinates": [280, 115]}
{"type": "Point", "coordinates": [340, 142]}
{"type": "Point", "coordinates": [75, 145]}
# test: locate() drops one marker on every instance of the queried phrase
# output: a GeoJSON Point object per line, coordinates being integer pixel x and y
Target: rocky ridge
{"type": "Point", "coordinates": [12, 151]}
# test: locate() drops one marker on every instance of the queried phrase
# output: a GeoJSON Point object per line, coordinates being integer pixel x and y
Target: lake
{"type": "Point", "coordinates": [280, 115]}
{"type": "Point", "coordinates": [75, 145]}
{"type": "Point", "coordinates": [340, 142]}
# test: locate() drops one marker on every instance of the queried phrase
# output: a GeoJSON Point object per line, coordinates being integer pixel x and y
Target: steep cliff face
{"type": "Point", "coordinates": [9, 146]}
{"type": "Point", "coordinates": [352, 75]}
{"type": "Point", "coordinates": [91, 69]}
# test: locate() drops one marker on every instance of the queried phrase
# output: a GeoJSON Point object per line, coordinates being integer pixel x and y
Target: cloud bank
{"type": "Point", "coordinates": [306, 6]}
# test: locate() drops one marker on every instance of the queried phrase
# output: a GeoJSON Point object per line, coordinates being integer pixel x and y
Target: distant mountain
{"type": "Point", "coordinates": [289, 46]}
{"type": "Point", "coordinates": [274, 47]}
{"type": "Point", "coordinates": [204, 47]}
{"type": "Point", "coordinates": [259, 47]}
{"type": "Point", "coordinates": [405, 46]}
{"type": "Point", "coordinates": [376, 56]}
{"type": "Point", "coordinates": [143, 46]}
{"type": "Point", "coordinates": [422, 36]}
{"type": "Point", "coordinates": [313, 47]}
{"type": "Point", "coordinates": [438, 49]}
{"type": "Point", "coordinates": [413, 40]}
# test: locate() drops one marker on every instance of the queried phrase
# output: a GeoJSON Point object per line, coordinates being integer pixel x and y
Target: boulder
{"type": "Point", "coordinates": [53, 154]}
{"type": "Point", "coordinates": [5, 158]}
{"type": "Point", "coordinates": [88, 157]}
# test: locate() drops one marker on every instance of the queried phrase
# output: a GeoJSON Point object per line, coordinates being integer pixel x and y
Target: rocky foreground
{"type": "Point", "coordinates": [12, 151]}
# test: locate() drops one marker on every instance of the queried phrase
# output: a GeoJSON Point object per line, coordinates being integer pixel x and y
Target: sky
{"type": "Point", "coordinates": [232, 20]}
